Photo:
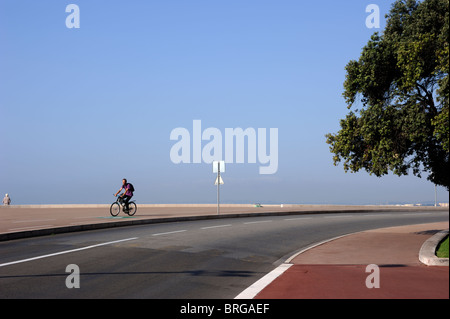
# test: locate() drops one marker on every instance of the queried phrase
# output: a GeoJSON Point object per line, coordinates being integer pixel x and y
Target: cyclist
{"type": "Point", "coordinates": [127, 194]}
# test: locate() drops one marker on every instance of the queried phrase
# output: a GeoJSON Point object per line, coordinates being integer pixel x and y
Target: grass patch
{"type": "Point", "coordinates": [442, 250]}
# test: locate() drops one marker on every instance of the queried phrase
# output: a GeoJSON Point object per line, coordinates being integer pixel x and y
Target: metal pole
{"type": "Point", "coordinates": [435, 196]}
{"type": "Point", "coordinates": [218, 186]}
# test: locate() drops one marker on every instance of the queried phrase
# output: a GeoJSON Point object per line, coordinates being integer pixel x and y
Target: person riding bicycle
{"type": "Point", "coordinates": [127, 194]}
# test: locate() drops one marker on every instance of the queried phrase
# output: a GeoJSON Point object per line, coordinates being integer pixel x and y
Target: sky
{"type": "Point", "coordinates": [83, 107]}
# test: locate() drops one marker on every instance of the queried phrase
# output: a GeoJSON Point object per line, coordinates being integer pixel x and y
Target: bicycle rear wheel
{"type": "Point", "coordinates": [114, 209]}
{"type": "Point", "coordinates": [132, 208]}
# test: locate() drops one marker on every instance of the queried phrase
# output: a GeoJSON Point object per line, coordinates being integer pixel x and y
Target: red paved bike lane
{"type": "Point", "coordinates": [338, 269]}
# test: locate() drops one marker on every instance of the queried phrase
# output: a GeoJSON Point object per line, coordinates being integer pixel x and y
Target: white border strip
{"type": "Point", "coordinates": [258, 286]}
{"type": "Point", "coordinates": [318, 244]}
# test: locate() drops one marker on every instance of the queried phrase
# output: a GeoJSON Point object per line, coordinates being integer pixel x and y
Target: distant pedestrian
{"type": "Point", "coordinates": [6, 200]}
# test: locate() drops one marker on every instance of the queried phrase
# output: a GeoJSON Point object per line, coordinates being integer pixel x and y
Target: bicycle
{"type": "Point", "coordinates": [115, 207]}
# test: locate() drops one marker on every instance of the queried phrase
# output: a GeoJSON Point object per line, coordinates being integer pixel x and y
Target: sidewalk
{"type": "Point", "coordinates": [337, 269]}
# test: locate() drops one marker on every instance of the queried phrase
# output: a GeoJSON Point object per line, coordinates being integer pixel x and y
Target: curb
{"type": "Point", "coordinates": [427, 254]}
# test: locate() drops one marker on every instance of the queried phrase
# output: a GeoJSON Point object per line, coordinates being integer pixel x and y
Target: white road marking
{"type": "Point", "coordinates": [258, 222]}
{"type": "Point", "coordinates": [339, 216]}
{"type": "Point", "coordinates": [219, 226]}
{"type": "Point", "coordinates": [258, 286]}
{"type": "Point", "coordinates": [168, 233]}
{"type": "Point", "coordinates": [65, 252]}
{"type": "Point", "coordinates": [318, 244]}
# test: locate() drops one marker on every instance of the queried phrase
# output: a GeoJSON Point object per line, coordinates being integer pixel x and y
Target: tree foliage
{"type": "Point", "coordinates": [398, 95]}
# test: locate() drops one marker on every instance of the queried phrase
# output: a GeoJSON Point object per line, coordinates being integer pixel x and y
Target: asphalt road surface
{"type": "Point", "coordinates": [210, 259]}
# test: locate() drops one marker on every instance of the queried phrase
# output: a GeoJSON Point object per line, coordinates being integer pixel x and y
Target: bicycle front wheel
{"type": "Point", "coordinates": [132, 208]}
{"type": "Point", "coordinates": [114, 209]}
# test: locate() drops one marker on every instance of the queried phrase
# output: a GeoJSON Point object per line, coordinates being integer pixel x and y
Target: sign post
{"type": "Point", "coordinates": [218, 167]}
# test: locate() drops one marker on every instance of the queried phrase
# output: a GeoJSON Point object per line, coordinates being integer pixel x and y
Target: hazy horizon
{"type": "Point", "coordinates": [119, 97]}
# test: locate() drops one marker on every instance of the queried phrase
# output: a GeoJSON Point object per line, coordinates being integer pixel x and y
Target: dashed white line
{"type": "Point", "coordinates": [168, 233]}
{"type": "Point", "coordinates": [218, 226]}
{"type": "Point", "coordinates": [259, 222]}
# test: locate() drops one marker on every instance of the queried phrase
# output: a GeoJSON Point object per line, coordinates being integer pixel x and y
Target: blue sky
{"type": "Point", "coordinates": [82, 108]}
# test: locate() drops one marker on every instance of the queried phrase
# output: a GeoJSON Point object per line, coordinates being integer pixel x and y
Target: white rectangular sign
{"type": "Point", "coordinates": [216, 166]}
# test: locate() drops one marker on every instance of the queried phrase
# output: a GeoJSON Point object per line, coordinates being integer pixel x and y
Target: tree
{"type": "Point", "coordinates": [398, 97]}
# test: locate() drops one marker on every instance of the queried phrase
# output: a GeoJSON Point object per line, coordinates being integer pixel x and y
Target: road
{"type": "Point", "coordinates": [182, 260]}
